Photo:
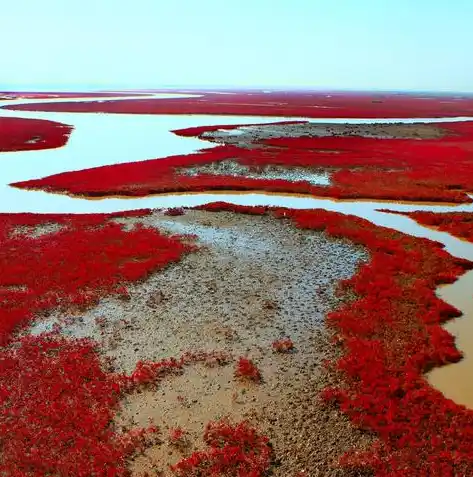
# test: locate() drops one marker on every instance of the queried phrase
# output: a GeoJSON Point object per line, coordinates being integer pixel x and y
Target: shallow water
{"type": "Point", "coordinates": [101, 139]}
{"type": "Point", "coordinates": [454, 380]}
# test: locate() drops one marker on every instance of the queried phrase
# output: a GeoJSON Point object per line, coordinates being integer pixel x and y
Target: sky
{"type": "Point", "coordinates": [422, 45]}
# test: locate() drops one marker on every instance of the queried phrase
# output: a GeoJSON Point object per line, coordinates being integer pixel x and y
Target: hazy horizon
{"type": "Point", "coordinates": [208, 87]}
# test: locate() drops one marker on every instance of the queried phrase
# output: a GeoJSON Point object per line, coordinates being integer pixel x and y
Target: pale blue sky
{"type": "Point", "coordinates": [340, 44]}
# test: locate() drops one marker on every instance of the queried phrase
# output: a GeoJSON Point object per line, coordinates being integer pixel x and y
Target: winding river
{"type": "Point", "coordinates": [102, 139]}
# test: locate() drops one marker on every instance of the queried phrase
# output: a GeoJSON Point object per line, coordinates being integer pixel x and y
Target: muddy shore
{"type": "Point", "coordinates": [248, 135]}
{"type": "Point", "coordinates": [253, 280]}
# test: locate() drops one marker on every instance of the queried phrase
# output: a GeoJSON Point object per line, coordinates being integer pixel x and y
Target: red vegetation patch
{"type": "Point", "coordinates": [58, 405]}
{"type": "Point", "coordinates": [246, 369]}
{"type": "Point", "coordinates": [175, 211]}
{"type": "Point", "coordinates": [458, 224]}
{"type": "Point", "coordinates": [133, 179]}
{"type": "Point", "coordinates": [296, 103]}
{"type": "Point", "coordinates": [177, 437]}
{"type": "Point", "coordinates": [57, 402]}
{"type": "Point", "coordinates": [391, 336]}
{"type": "Point", "coordinates": [393, 169]}
{"type": "Point", "coordinates": [18, 134]}
{"type": "Point", "coordinates": [284, 345]}
{"type": "Point", "coordinates": [235, 450]}
{"type": "Point", "coordinates": [148, 372]}
{"type": "Point", "coordinates": [87, 259]}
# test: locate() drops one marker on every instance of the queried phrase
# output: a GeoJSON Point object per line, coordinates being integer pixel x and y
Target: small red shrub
{"type": "Point", "coordinates": [178, 437]}
{"type": "Point", "coordinates": [176, 433]}
{"type": "Point", "coordinates": [150, 372]}
{"type": "Point", "coordinates": [175, 211]}
{"type": "Point", "coordinates": [235, 450]}
{"type": "Point", "coordinates": [246, 369]}
{"type": "Point", "coordinates": [284, 345]}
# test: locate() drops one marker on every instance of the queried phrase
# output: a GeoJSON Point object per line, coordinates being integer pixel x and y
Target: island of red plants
{"type": "Point", "coordinates": [391, 335]}
{"type": "Point", "coordinates": [18, 134]}
{"type": "Point", "coordinates": [368, 168]}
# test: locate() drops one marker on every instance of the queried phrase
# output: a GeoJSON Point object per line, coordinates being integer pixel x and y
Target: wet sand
{"type": "Point", "coordinates": [315, 176]}
{"type": "Point", "coordinates": [254, 280]}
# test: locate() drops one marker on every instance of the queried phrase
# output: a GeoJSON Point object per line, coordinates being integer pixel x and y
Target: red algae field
{"type": "Point", "coordinates": [288, 295]}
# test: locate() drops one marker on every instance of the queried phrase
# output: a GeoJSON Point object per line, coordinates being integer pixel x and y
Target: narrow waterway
{"type": "Point", "coordinates": [100, 139]}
